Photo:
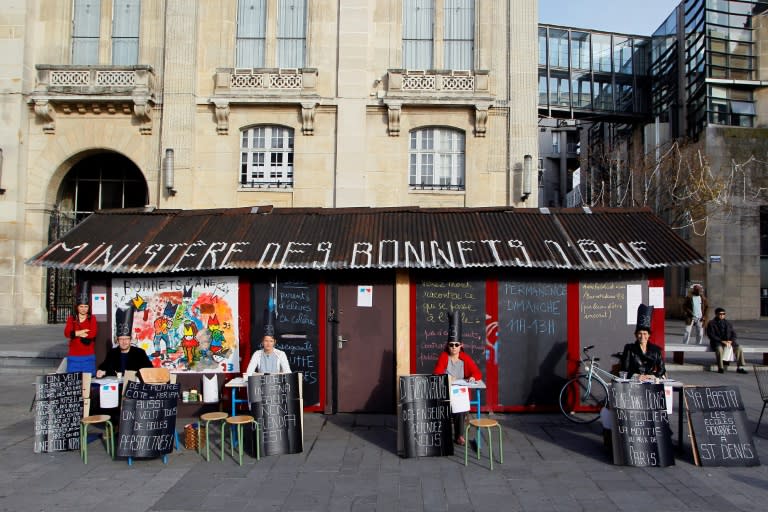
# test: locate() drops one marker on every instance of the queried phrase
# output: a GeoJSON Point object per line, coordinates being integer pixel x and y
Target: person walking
{"type": "Point", "coordinates": [722, 339]}
{"type": "Point", "coordinates": [695, 308]}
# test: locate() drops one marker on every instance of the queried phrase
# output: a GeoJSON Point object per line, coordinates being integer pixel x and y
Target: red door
{"type": "Point", "coordinates": [364, 347]}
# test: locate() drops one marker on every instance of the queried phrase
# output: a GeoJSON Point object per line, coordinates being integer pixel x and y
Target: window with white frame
{"type": "Point", "coordinates": [452, 46]}
{"type": "Point", "coordinates": [124, 41]}
{"type": "Point", "coordinates": [436, 158]}
{"type": "Point", "coordinates": [289, 35]}
{"type": "Point", "coordinates": [266, 157]}
{"type": "Point", "coordinates": [125, 32]}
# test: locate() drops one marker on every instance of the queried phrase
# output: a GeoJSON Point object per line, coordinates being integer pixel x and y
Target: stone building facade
{"type": "Point", "coordinates": [296, 103]}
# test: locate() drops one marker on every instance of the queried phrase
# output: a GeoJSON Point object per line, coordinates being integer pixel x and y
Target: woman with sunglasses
{"type": "Point", "coordinates": [458, 365]}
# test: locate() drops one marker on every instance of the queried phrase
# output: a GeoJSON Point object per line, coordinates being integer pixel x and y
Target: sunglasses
{"type": "Point", "coordinates": [454, 344]}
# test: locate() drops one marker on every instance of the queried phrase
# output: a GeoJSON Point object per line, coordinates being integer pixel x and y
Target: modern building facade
{"type": "Point", "coordinates": [293, 103]}
{"type": "Point", "coordinates": [697, 83]}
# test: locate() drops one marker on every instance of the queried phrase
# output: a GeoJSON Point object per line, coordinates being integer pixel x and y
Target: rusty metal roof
{"type": "Point", "coordinates": [150, 241]}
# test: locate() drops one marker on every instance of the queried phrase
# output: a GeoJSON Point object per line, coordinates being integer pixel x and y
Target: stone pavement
{"type": "Point", "coordinates": [350, 463]}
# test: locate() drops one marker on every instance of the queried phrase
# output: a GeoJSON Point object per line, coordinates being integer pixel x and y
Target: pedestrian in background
{"type": "Point", "coordinates": [695, 308]}
{"type": "Point", "coordinates": [722, 339]}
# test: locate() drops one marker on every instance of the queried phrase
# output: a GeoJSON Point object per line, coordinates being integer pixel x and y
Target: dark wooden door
{"type": "Point", "coordinates": [365, 350]}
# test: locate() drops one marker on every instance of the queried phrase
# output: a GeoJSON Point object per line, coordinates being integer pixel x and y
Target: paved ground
{"type": "Point", "coordinates": [349, 463]}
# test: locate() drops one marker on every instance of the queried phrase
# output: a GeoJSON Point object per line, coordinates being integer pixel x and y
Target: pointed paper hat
{"type": "Point", "coordinates": [644, 315]}
{"type": "Point", "coordinates": [124, 321]}
{"type": "Point", "coordinates": [454, 326]}
{"type": "Point", "coordinates": [83, 295]}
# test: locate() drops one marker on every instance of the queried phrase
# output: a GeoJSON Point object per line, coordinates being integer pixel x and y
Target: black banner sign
{"type": "Point", "coordinates": [641, 432]}
{"type": "Point", "coordinates": [58, 410]}
{"type": "Point", "coordinates": [533, 341]}
{"type": "Point", "coordinates": [424, 416]}
{"type": "Point", "coordinates": [277, 405]}
{"type": "Point", "coordinates": [147, 420]}
{"type": "Point", "coordinates": [719, 427]}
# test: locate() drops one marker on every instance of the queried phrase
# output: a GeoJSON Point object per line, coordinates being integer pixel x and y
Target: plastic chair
{"type": "Point", "coordinates": [109, 432]}
{"type": "Point", "coordinates": [761, 374]}
{"type": "Point", "coordinates": [239, 421]}
{"type": "Point", "coordinates": [208, 417]}
{"type": "Point", "coordinates": [487, 424]}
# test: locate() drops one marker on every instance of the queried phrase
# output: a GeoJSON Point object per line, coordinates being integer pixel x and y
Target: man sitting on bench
{"type": "Point", "coordinates": [722, 338]}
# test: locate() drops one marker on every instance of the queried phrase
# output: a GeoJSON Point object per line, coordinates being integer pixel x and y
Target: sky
{"type": "Point", "coordinates": [637, 17]}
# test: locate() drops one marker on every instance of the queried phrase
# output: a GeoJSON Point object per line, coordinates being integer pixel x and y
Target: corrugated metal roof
{"type": "Point", "coordinates": [166, 241]}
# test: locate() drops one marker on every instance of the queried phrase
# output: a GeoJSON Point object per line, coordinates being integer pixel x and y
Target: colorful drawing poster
{"type": "Point", "coordinates": [183, 323]}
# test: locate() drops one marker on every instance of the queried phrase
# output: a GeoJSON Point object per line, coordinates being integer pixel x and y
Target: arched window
{"type": "Point", "coordinates": [266, 157]}
{"type": "Point", "coordinates": [436, 159]}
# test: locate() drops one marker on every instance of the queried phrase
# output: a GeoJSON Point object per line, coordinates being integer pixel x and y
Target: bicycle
{"type": "Point", "coordinates": [583, 396]}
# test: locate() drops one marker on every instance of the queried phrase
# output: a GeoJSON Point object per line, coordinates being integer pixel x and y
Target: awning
{"type": "Point", "coordinates": [151, 241]}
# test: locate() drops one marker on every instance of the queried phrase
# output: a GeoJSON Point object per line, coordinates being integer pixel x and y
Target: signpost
{"type": "Point", "coordinates": [58, 410]}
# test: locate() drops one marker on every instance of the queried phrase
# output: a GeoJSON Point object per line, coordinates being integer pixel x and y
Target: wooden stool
{"type": "Point", "coordinates": [108, 432]}
{"type": "Point", "coordinates": [208, 418]}
{"type": "Point", "coordinates": [239, 421]}
{"type": "Point", "coordinates": [485, 423]}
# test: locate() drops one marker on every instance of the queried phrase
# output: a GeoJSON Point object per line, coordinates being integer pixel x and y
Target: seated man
{"type": "Point", "coordinates": [721, 335]}
{"type": "Point", "coordinates": [123, 357]}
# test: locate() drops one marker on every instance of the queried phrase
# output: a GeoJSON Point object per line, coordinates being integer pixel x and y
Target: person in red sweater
{"type": "Point", "coordinates": [458, 365]}
{"type": "Point", "coordinates": [81, 332]}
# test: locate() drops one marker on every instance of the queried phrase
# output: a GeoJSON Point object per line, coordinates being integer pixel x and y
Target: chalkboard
{"type": "Point", "coordinates": [603, 312]}
{"type": "Point", "coordinates": [424, 416]}
{"type": "Point", "coordinates": [296, 329]}
{"type": "Point", "coordinates": [277, 406]}
{"type": "Point", "coordinates": [641, 433]}
{"type": "Point", "coordinates": [718, 425]}
{"type": "Point", "coordinates": [147, 420]}
{"type": "Point", "coordinates": [434, 300]}
{"type": "Point", "coordinates": [532, 341]}
{"type": "Point", "coordinates": [58, 411]}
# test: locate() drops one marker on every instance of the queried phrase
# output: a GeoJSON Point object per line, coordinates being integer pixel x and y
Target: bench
{"type": "Point", "coordinates": [678, 351]}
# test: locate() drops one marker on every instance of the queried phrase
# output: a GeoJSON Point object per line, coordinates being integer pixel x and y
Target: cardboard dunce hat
{"type": "Point", "coordinates": [644, 315]}
{"type": "Point", "coordinates": [124, 321]}
{"type": "Point", "coordinates": [269, 323]}
{"type": "Point", "coordinates": [454, 326]}
{"type": "Point", "coordinates": [83, 295]}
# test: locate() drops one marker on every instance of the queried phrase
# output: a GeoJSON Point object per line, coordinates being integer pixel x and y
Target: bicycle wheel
{"type": "Point", "coordinates": [580, 406]}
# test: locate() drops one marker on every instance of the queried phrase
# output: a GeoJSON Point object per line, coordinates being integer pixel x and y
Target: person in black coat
{"type": "Point", "coordinates": [123, 357]}
{"type": "Point", "coordinates": [721, 334]}
{"type": "Point", "coordinates": [641, 357]}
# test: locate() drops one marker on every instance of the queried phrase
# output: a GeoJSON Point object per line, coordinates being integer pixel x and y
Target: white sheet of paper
{"type": "Point", "coordinates": [634, 299]}
{"type": "Point", "coordinates": [656, 296]}
{"type": "Point", "coordinates": [364, 296]}
{"type": "Point", "coordinates": [99, 303]}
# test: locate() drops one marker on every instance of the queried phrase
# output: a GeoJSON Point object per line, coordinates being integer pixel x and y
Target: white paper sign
{"type": "Point", "coordinates": [656, 297]}
{"type": "Point", "coordinates": [99, 303]}
{"type": "Point", "coordinates": [108, 396]}
{"type": "Point", "coordinates": [459, 399]}
{"type": "Point", "coordinates": [634, 299]}
{"type": "Point", "coordinates": [364, 296]}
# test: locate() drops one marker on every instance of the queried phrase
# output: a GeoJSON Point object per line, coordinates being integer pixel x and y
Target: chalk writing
{"type": "Point", "coordinates": [58, 410]}
{"type": "Point", "coordinates": [720, 433]}
{"type": "Point", "coordinates": [147, 420]}
{"type": "Point", "coordinates": [424, 416]}
{"type": "Point", "coordinates": [434, 301]}
{"type": "Point", "coordinates": [531, 341]}
{"type": "Point", "coordinates": [276, 405]}
{"type": "Point", "coordinates": [641, 433]}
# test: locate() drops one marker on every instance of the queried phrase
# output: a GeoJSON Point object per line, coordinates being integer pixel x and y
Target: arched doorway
{"type": "Point", "coordinates": [97, 182]}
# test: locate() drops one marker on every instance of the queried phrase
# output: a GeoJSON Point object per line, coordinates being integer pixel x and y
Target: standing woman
{"type": "Point", "coordinates": [81, 331]}
{"type": "Point", "coordinates": [458, 365]}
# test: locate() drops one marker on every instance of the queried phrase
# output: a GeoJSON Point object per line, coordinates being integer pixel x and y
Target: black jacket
{"type": "Point", "coordinates": [136, 360]}
{"type": "Point", "coordinates": [634, 361]}
{"type": "Point", "coordinates": [719, 330]}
